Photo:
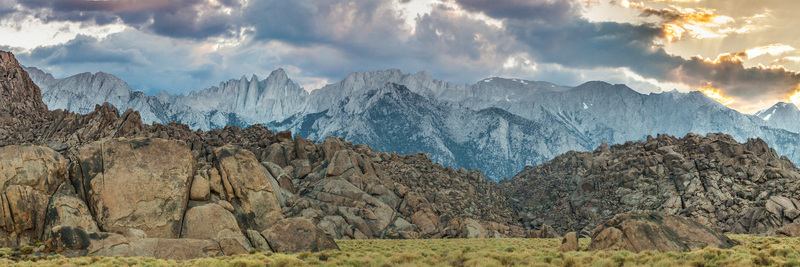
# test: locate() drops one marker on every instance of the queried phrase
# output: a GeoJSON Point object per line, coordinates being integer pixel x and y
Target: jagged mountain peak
{"type": "Point", "coordinates": [279, 70]}
{"type": "Point", "coordinates": [781, 115]}
{"type": "Point", "coordinates": [780, 106]}
{"type": "Point", "coordinates": [38, 76]}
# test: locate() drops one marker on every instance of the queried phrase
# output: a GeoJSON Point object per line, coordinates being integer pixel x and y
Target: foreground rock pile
{"type": "Point", "coordinates": [108, 184]}
{"type": "Point", "coordinates": [714, 180]}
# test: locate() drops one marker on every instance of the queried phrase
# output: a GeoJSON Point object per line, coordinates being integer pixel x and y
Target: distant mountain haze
{"type": "Point", "coordinates": [497, 125]}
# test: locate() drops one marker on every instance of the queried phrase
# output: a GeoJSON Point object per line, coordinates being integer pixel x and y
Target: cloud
{"type": "Point", "coordinates": [7, 7]}
{"type": "Point", "coordinates": [773, 50]}
{"type": "Point", "coordinates": [748, 86]}
{"type": "Point", "coordinates": [85, 49]}
{"type": "Point", "coordinates": [145, 61]}
{"type": "Point", "coordinates": [699, 23]}
{"type": "Point", "coordinates": [193, 19]}
{"type": "Point", "coordinates": [583, 44]}
{"type": "Point", "coordinates": [785, 60]}
{"type": "Point", "coordinates": [182, 45]}
{"type": "Point", "coordinates": [538, 10]}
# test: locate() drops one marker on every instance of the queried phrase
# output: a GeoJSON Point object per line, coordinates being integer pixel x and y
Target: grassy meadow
{"type": "Point", "coordinates": [756, 251]}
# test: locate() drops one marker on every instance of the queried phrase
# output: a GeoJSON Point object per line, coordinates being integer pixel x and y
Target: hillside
{"type": "Point", "coordinates": [732, 187]}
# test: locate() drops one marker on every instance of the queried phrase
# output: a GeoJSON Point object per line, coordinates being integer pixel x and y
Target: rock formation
{"type": "Point", "coordinates": [569, 243]}
{"type": "Point", "coordinates": [640, 231]}
{"type": "Point", "coordinates": [714, 180]}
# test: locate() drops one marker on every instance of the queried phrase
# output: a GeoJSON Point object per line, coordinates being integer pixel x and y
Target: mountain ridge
{"type": "Point", "coordinates": [590, 113]}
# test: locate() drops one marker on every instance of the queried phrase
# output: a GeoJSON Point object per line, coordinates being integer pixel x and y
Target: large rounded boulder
{"type": "Point", "coordinates": [137, 183]}
{"type": "Point", "coordinates": [247, 186]}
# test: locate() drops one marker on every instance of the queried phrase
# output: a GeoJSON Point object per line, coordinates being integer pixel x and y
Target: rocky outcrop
{"type": "Point", "coordinates": [569, 243]}
{"type": "Point", "coordinates": [21, 106]}
{"type": "Point", "coordinates": [138, 183]}
{"type": "Point", "coordinates": [29, 177]}
{"type": "Point", "coordinates": [789, 230]}
{"type": "Point", "coordinates": [247, 187]}
{"type": "Point", "coordinates": [714, 180]}
{"type": "Point", "coordinates": [126, 188]}
{"type": "Point", "coordinates": [212, 221]}
{"type": "Point", "coordinates": [642, 231]}
{"type": "Point", "coordinates": [298, 234]}
{"type": "Point", "coordinates": [67, 211]}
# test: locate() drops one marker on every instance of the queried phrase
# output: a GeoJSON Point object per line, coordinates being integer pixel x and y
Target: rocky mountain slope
{"type": "Point", "coordinates": [113, 185]}
{"type": "Point", "coordinates": [495, 116]}
{"type": "Point", "coordinates": [714, 180]}
{"type": "Point", "coordinates": [393, 118]}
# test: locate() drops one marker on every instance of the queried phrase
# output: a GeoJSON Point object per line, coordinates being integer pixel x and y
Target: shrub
{"type": "Point", "coordinates": [26, 249]}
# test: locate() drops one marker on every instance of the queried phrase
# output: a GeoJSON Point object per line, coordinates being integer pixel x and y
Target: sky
{"type": "Point", "coordinates": [743, 53]}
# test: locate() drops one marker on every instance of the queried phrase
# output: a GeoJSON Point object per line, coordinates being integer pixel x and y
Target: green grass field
{"type": "Point", "coordinates": [756, 251]}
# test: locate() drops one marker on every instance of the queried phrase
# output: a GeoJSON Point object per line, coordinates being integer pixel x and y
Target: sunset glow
{"type": "Point", "coordinates": [795, 98]}
{"type": "Point", "coordinates": [774, 50]}
{"type": "Point", "coordinates": [714, 94]}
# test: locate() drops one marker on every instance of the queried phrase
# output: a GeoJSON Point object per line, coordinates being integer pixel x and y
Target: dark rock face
{"type": "Point", "coordinates": [714, 180]}
{"type": "Point", "coordinates": [640, 231]}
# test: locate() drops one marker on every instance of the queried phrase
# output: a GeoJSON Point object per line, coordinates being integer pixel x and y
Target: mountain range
{"type": "Point", "coordinates": [497, 125]}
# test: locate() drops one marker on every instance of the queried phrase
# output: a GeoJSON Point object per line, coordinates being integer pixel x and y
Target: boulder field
{"type": "Point", "coordinates": [132, 197]}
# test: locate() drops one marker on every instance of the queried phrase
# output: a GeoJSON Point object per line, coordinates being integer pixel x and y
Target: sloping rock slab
{"type": "Point", "coordinates": [640, 231]}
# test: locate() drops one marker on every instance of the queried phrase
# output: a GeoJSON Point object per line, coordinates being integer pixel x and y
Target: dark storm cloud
{"type": "Point", "coordinates": [583, 44]}
{"type": "Point", "coordinates": [543, 10]}
{"type": "Point", "coordinates": [85, 49]}
{"type": "Point", "coordinates": [357, 27]}
{"type": "Point", "coordinates": [7, 7]}
{"type": "Point", "coordinates": [194, 19]}
{"type": "Point", "coordinates": [746, 85]}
